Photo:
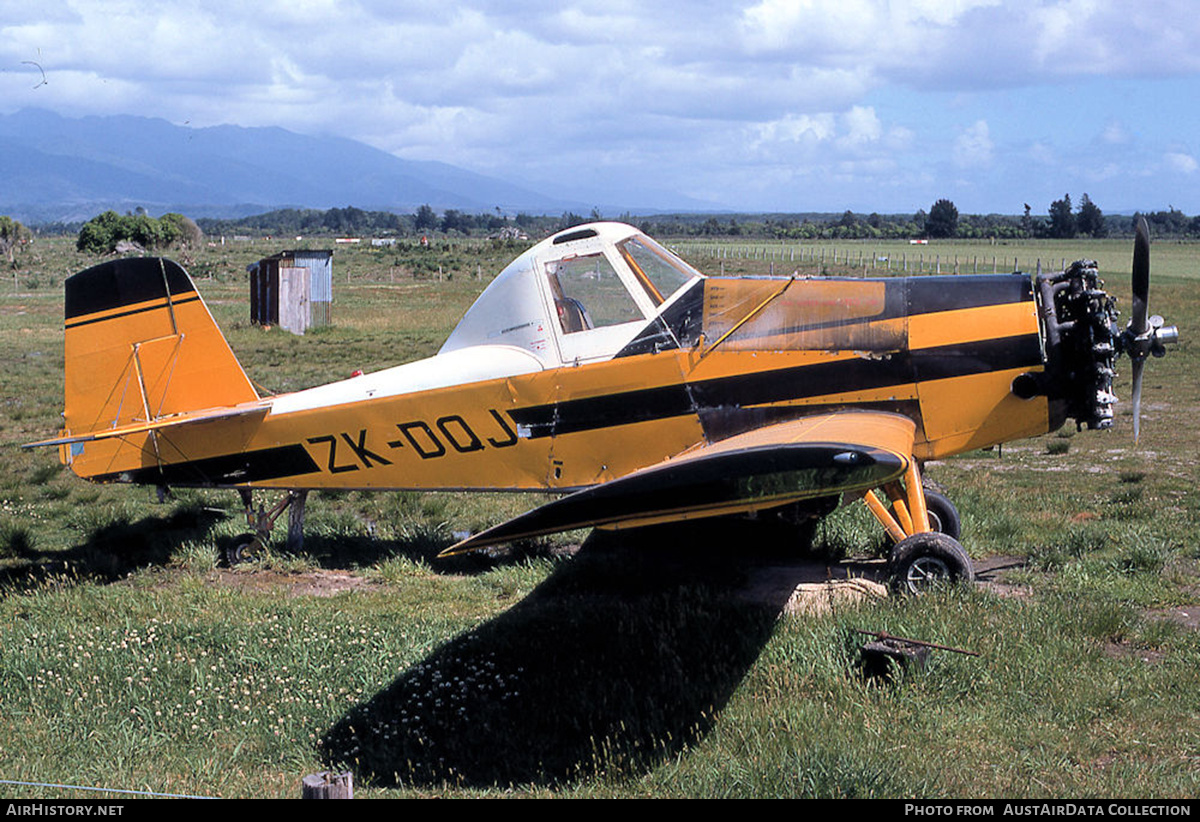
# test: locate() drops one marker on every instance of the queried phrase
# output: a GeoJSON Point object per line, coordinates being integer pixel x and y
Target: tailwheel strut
{"type": "Point", "coordinates": [250, 546]}
{"type": "Point", "coordinates": [924, 526]}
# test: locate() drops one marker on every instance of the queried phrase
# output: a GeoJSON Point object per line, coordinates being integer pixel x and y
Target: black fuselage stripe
{"type": "Point", "coordinates": [228, 469]}
{"type": "Point", "coordinates": [782, 385]}
{"type": "Point", "coordinates": [156, 307]}
{"type": "Point", "coordinates": [932, 295]}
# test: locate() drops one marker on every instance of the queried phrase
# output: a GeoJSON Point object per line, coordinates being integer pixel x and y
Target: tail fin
{"type": "Point", "coordinates": [141, 345]}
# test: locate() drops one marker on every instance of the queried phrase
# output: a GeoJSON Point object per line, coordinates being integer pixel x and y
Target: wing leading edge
{"type": "Point", "coordinates": [809, 458]}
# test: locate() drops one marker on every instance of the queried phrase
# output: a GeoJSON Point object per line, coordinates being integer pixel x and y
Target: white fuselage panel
{"type": "Point", "coordinates": [459, 367]}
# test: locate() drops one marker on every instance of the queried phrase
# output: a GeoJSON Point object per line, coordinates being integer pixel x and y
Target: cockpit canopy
{"type": "Point", "coordinates": [577, 296]}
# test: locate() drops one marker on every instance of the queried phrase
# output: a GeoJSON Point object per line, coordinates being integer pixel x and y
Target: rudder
{"type": "Point", "coordinates": [141, 345]}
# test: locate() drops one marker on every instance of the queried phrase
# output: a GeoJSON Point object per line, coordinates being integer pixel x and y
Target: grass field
{"type": "Point", "coordinates": [129, 660]}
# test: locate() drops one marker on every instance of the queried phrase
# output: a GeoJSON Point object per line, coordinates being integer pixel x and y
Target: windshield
{"type": "Point", "coordinates": [659, 271]}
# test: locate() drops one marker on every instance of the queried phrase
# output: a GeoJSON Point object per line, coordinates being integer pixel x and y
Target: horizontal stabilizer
{"type": "Point", "coordinates": [788, 462]}
{"type": "Point", "coordinates": [159, 424]}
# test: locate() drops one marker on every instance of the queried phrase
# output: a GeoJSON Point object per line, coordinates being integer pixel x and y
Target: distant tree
{"type": "Point", "coordinates": [425, 219]}
{"type": "Point", "coordinates": [453, 220]}
{"type": "Point", "coordinates": [1172, 221]}
{"type": "Point", "coordinates": [942, 220]}
{"type": "Point", "coordinates": [12, 235]}
{"type": "Point", "coordinates": [184, 229]}
{"type": "Point", "coordinates": [101, 234]}
{"type": "Point", "coordinates": [145, 231]}
{"type": "Point", "coordinates": [568, 219]}
{"type": "Point", "coordinates": [1090, 220]}
{"type": "Point", "coordinates": [1062, 221]}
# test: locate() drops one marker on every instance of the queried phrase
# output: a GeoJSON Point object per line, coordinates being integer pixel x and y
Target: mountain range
{"type": "Point", "coordinates": [55, 168]}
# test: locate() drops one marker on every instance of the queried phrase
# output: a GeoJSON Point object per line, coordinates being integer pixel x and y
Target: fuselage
{"type": "Point", "coordinates": [720, 358]}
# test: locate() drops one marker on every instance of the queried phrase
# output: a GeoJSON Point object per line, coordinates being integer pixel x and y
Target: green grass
{"type": "Point", "coordinates": [130, 660]}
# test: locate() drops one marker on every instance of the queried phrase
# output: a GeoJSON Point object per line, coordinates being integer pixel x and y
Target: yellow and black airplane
{"type": "Point", "coordinates": [600, 365]}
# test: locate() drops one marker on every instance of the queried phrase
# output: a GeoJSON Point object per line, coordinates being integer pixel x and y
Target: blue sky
{"type": "Point", "coordinates": [788, 105]}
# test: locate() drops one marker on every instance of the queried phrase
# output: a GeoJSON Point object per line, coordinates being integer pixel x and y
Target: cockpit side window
{"type": "Point", "coordinates": [588, 293]}
{"type": "Point", "coordinates": [659, 271]}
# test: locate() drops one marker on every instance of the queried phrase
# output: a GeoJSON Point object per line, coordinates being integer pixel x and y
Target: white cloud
{"type": "Point", "coordinates": [1115, 133]}
{"type": "Point", "coordinates": [862, 126]}
{"type": "Point", "coordinates": [795, 128]}
{"type": "Point", "coordinates": [1042, 153]}
{"type": "Point", "coordinates": [1182, 163]}
{"type": "Point", "coordinates": [687, 95]}
{"type": "Point", "coordinates": [973, 147]}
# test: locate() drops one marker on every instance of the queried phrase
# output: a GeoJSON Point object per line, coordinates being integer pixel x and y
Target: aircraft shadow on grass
{"type": "Point", "coordinates": [117, 548]}
{"type": "Point", "coordinates": [620, 659]}
{"type": "Point", "coordinates": [113, 550]}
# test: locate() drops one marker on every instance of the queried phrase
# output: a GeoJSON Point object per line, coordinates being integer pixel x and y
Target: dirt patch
{"type": "Point", "coordinates": [318, 583]}
{"type": "Point", "coordinates": [1186, 615]}
{"type": "Point", "coordinates": [991, 574]}
{"type": "Point", "coordinates": [1146, 655]}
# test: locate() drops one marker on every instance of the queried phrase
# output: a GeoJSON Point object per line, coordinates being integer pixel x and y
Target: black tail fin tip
{"type": "Point", "coordinates": [127, 281]}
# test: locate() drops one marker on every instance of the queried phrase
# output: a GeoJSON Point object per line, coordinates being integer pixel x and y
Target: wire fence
{"type": "Point", "coordinates": [786, 259]}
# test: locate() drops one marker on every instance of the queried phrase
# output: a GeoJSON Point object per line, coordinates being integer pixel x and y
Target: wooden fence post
{"type": "Point", "coordinates": [326, 785]}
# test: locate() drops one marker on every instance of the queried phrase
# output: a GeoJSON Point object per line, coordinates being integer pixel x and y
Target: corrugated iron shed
{"type": "Point", "coordinates": [292, 289]}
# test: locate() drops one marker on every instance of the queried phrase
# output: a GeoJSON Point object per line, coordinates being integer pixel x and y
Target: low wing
{"type": "Point", "coordinates": [819, 456]}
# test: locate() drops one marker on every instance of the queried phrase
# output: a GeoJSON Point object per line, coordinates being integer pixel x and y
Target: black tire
{"type": "Point", "coordinates": [243, 548]}
{"type": "Point", "coordinates": [926, 560]}
{"type": "Point", "coordinates": [943, 516]}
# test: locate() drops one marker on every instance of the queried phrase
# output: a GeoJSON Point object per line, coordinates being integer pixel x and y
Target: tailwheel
{"type": "Point", "coordinates": [926, 560]}
{"type": "Point", "coordinates": [249, 547]}
{"type": "Point", "coordinates": [243, 548]}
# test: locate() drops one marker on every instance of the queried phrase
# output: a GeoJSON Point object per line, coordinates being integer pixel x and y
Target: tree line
{"type": "Point", "coordinates": [103, 233]}
{"type": "Point", "coordinates": [942, 220]}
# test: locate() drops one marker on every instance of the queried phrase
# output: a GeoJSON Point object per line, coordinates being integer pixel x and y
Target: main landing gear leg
{"type": "Point", "coordinates": [924, 526]}
{"type": "Point", "coordinates": [250, 546]}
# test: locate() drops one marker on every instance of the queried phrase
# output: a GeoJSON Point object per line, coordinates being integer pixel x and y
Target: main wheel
{"type": "Point", "coordinates": [943, 516]}
{"type": "Point", "coordinates": [928, 559]}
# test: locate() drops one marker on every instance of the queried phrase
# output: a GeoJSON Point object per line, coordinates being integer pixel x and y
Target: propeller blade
{"type": "Point", "coordinates": [1138, 364]}
{"type": "Point", "coordinates": [1141, 277]}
